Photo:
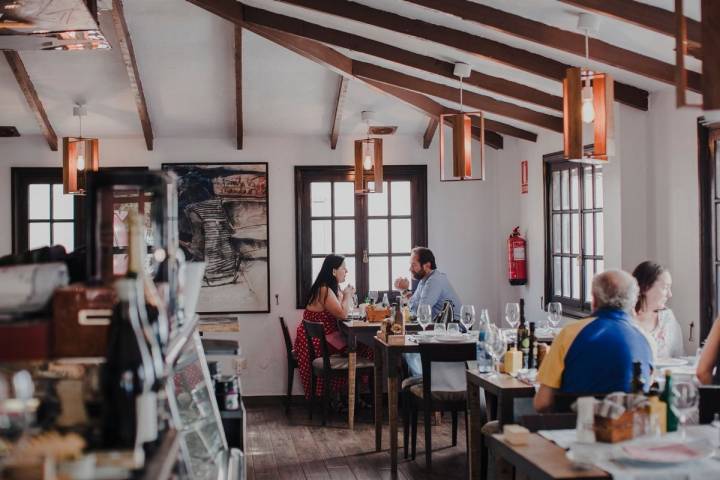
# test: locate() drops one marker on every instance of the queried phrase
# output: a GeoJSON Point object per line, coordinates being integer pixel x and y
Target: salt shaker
{"type": "Point", "coordinates": [585, 417]}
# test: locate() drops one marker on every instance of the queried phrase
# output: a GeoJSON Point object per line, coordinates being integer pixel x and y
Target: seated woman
{"type": "Point", "coordinates": [325, 304]}
{"type": "Point", "coordinates": [651, 313]}
{"type": "Point", "coordinates": [707, 368]}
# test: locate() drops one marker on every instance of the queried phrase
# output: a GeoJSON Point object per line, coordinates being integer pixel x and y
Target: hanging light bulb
{"type": "Point", "coordinates": [367, 157]}
{"type": "Point", "coordinates": [588, 109]}
{"type": "Point", "coordinates": [80, 160]}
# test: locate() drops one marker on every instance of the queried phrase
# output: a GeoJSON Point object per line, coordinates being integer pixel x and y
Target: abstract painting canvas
{"type": "Point", "coordinates": [223, 221]}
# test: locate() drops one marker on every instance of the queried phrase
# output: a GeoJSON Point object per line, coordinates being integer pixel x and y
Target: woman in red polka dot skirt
{"type": "Point", "coordinates": [326, 303]}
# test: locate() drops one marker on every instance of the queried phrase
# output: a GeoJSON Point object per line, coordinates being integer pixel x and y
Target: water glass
{"type": "Point", "coordinates": [554, 313]}
{"type": "Point", "coordinates": [467, 316]}
{"type": "Point", "coordinates": [484, 316]}
{"type": "Point", "coordinates": [684, 402]}
{"type": "Point", "coordinates": [424, 315]}
{"type": "Point", "coordinates": [512, 314]}
{"type": "Point", "coordinates": [453, 328]}
{"type": "Point", "coordinates": [439, 328]}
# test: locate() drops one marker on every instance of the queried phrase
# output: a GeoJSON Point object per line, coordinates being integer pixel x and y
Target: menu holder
{"type": "Point", "coordinates": [611, 430]}
{"type": "Point", "coordinates": [375, 314]}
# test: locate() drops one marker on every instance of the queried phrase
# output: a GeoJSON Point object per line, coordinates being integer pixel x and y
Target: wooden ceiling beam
{"type": "Point", "coordinates": [238, 87]}
{"type": "Point", "coordinates": [23, 79]}
{"type": "Point", "coordinates": [473, 100]}
{"type": "Point", "coordinates": [337, 117]}
{"type": "Point", "coordinates": [128, 55]}
{"type": "Point", "coordinates": [399, 56]}
{"type": "Point", "coordinates": [559, 39]}
{"type": "Point", "coordinates": [467, 42]}
{"type": "Point", "coordinates": [430, 132]}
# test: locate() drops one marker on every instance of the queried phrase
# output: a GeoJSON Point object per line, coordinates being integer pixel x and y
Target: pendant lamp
{"type": "Point", "coordinates": [368, 161]}
{"type": "Point", "coordinates": [462, 124]}
{"type": "Point", "coordinates": [80, 155]}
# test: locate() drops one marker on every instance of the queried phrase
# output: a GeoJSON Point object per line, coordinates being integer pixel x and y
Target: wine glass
{"type": "Point", "coordinates": [512, 314]}
{"type": "Point", "coordinates": [424, 315]}
{"type": "Point", "coordinates": [496, 345]}
{"type": "Point", "coordinates": [554, 313]}
{"type": "Point", "coordinates": [467, 316]}
{"type": "Point", "coordinates": [684, 401]}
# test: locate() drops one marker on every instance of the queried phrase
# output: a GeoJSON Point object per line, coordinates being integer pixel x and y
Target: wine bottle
{"type": "Point", "coordinates": [638, 386]}
{"type": "Point", "coordinates": [523, 337]}
{"type": "Point", "coordinates": [532, 348]}
{"type": "Point", "coordinates": [666, 397]}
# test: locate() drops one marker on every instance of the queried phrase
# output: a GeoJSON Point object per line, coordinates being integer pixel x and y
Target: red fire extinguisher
{"type": "Point", "coordinates": [517, 258]}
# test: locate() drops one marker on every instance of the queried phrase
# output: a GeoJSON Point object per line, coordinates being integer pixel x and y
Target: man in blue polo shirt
{"type": "Point", "coordinates": [596, 355]}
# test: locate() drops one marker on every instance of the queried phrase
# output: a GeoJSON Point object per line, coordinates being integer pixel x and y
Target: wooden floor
{"type": "Point", "coordinates": [297, 448]}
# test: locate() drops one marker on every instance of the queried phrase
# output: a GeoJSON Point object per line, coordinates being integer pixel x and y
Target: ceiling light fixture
{"type": "Point", "coordinates": [368, 160]}
{"type": "Point", "coordinates": [80, 155]}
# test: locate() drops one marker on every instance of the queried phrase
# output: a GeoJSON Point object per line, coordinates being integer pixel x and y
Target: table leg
{"type": "Point", "coordinates": [477, 417]}
{"type": "Point", "coordinates": [392, 419]}
{"type": "Point", "coordinates": [352, 356]}
{"type": "Point", "coordinates": [505, 410]}
{"type": "Point", "coordinates": [378, 400]}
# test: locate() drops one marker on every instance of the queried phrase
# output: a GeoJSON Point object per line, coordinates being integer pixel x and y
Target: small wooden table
{"type": "Point", "coordinates": [500, 392]}
{"type": "Point", "coordinates": [541, 459]}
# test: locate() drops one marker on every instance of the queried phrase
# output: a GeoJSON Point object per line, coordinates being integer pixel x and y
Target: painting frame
{"type": "Point", "coordinates": [212, 171]}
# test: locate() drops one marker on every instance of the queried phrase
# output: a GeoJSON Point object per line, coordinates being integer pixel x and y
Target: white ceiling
{"type": "Point", "coordinates": [185, 58]}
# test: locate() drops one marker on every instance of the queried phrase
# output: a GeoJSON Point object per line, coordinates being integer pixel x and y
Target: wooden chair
{"type": "Point", "coordinates": [549, 421]}
{"type": "Point", "coordinates": [423, 397]}
{"type": "Point", "coordinates": [326, 366]}
{"type": "Point", "coordinates": [564, 401]}
{"type": "Point", "coordinates": [292, 364]}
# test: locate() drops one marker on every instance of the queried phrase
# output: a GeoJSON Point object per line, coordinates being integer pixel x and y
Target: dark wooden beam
{"type": "Point", "coordinates": [711, 50]}
{"type": "Point", "coordinates": [128, 56]}
{"type": "Point", "coordinates": [92, 8]}
{"type": "Point", "coordinates": [641, 14]}
{"type": "Point", "coordinates": [399, 56]}
{"type": "Point", "coordinates": [230, 10]}
{"type": "Point", "coordinates": [430, 132]}
{"type": "Point", "coordinates": [238, 87]}
{"type": "Point", "coordinates": [467, 42]}
{"type": "Point", "coordinates": [558, 38]}
{"type": "Point", "coordinates": [471, 99]}
{"type": "Point", "coordinates": [23, 78]}
{"type": "Point", "coordinates": [337, 117]}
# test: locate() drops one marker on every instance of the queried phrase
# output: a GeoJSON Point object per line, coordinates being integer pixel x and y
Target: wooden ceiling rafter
{"type": "Point", "coordinates": [128, 55]}
{"type": "Point", "coordinates": [430, 132]}
{"type": "Point", "coordinates": [559, 39]}
{"type": "Point", "coordinates": [26, 85]}
{"type": "Point", "coordinates": [464, 41]}
{"type": "Point", "coordinates": [338, 114]}
{"type": "Point", "coordinates": [238, 87]}
{"type": "Point", "coordinates": [397, 55]}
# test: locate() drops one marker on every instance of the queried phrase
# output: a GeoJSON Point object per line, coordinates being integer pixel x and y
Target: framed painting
{"type": "Point", "coordinates": [223, 221]}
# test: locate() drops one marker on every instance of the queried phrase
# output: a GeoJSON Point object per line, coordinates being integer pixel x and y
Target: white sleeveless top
{"type": "Point", "coordinates": [667, 335]}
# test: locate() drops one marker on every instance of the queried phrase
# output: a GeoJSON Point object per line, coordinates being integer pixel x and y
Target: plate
{"type": "Point", "coordinates": [670, 362]}
{"type": "Point", "coordinates": [451, 338]}
{"type": "Point", "coordinates": [668, 451]}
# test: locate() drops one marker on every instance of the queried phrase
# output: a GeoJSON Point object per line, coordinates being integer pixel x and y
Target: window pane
{"type": "Point", "coordinates": [557, 286]}
{"type": "Point", "coordinates": [576, 262]}
{"type": "Point", "coordinates": [378, 270]}
{"type": "Point", "coordinates": [377, 202]}
{"type": "Point", "coordinates": [589, 232]}
{"type": "Point", "coordinates": [350, 278]}
{"type": "Point", "coordinates": [589, 274]}
{"type": "Point", "coordinates": [400, 198]}
{"type": "Point", "coordinates": [600, 232]}
{"type": "Point", "coordinates": [556, 233]}
{"type": "Point", "coordinates": [344, 199]}
{"type": "Point", "coordinates": [575, 233]}
{"type": "Point", "coordinates": [565, 176]}
{"type": "Point", "coordinates": [599, 266]}
{"type": "Point", "coordinates": [63, 234]}
{"type": "Point", "coordinates": [321, 236]}
{"type": "Point", "coordinates": [401, 235]}
{"type": "Point", "coordinates": [566, 277]}
{"type": "Point", "coordinates": [320, 199]}
{"type": "Point", "coordinates": [556, 190]}
{"type": "Point", "coordinates": [62, 204]}
{"type": "Point", "coordinates": [566, 233]}
{"type": "Point", "coordinates": [574, 189]}
{"type": "Point", "coordinates": [400, 267]}
{"type": "Point", "coordinates": [587, 185]}
{"type": "Point", "coordinates": [316, 266]}
{"type": "Point", "coordinates": [377, 236]}
{"type": "Point", "coordinates": [598, 187]}
{"type": "Point", "coordinates": [39, 202]}
{"type": "Point", "coordinates": [38, 235]}
{"type": "Point", "coordinates": [344, 237]}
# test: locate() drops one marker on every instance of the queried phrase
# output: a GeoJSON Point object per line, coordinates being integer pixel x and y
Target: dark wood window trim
{"type": "Point", "coordinates": [709, 192]}
{"type": "Point", "coordinates": [571, 308]}
{"type": "Point", "coordinates": [416, 174]}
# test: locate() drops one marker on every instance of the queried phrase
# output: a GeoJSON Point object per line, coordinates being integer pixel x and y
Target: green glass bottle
{"type": "Point", "coordinates": [672, 420]}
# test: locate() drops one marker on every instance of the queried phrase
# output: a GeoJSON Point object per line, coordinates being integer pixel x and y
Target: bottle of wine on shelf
{"type": "Point", "coordinates": [523, 336]}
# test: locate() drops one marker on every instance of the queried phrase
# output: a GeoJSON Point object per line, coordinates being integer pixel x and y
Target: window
{"type": "Point", "coordinates": [42, 214]}
{"type": "Point", "coordinates": [574, 231]}
{"type": "Point", "coordinates": [709, 183]}
{"type": "Point", "coordinates": [374, 232]}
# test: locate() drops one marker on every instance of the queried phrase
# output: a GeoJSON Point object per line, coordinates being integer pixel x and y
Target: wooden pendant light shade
{"type": "Point", "coordinates": [462, 160]}
{"type": "Point", "coordinates": [368, 152]}
{"type": "Point", "coordinates": [80, 155]}
{"type": "Point", "coordinates": [603, 124]}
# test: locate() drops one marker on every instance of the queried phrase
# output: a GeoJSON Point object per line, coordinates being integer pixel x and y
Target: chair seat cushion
{"type": "Point", "coordinates": [338, 362]}
{"type": "Point", "coordinates": [410, 381]}
{"type": "Point", "coordinates": [438, 396]}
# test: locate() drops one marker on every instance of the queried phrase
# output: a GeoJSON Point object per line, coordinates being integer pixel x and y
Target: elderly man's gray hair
{"type": "Point", "coordinates": [615, 289]}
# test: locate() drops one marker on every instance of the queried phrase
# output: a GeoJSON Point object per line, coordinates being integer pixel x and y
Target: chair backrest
{"type": "Point", "coordinates": [549, 421]}
{"type": "Point", "coordinates": [286, 336]}
{"type": "Point", "coordinates": [709, 402]}
{"type": "Point", "coordinates": [446, 353]}
{"type": "Point", "coordinates": [563, 401]}
{"type": "Point", "coordinates": [316, 330]}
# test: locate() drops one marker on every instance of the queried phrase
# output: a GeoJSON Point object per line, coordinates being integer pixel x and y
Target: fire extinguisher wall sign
{"type": "Point", "coordinates": [517, 258]}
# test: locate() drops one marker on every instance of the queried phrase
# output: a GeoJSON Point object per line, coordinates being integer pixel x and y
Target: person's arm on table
{"type": "Point", "coordinates": [709, 355]}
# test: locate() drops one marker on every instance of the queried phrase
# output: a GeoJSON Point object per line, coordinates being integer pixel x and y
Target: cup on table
{"type": "Point", "coordinates": [453, 329]}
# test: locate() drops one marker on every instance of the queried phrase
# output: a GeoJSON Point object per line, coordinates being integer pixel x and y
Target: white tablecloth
{"type": "Point", "coordinates": [609, 457]}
